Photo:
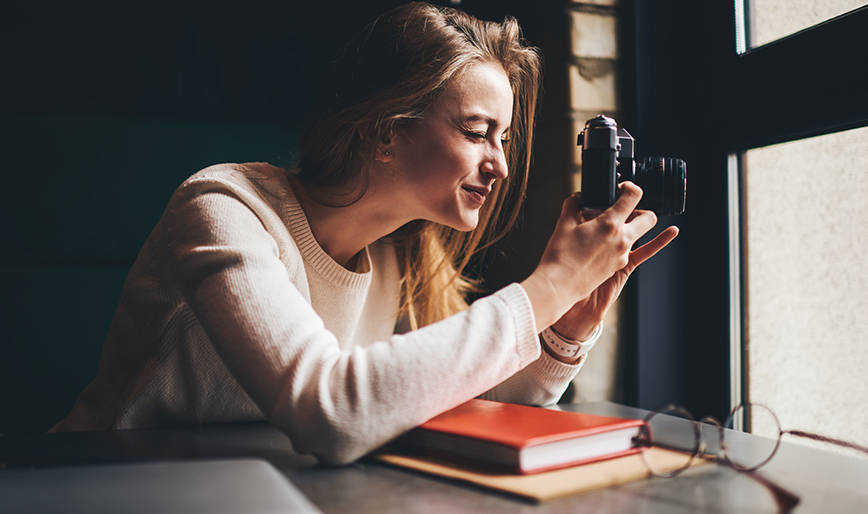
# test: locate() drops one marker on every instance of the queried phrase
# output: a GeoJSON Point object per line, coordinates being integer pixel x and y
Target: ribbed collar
{"type": "Point", "coordinates": [315, 257]}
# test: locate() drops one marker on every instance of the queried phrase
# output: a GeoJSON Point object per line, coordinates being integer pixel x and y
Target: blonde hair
{"type": "Point", "coordinates": [390, 75]}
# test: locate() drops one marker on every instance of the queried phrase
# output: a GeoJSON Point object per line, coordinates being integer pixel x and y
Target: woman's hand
{"type": "Point", "coordinates": [587, 262]}
{"type": "Point", "coordinates": [583, 317]}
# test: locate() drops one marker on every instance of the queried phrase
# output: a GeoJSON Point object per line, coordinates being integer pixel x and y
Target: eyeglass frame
{"type": "Point", "coordinates": [785, 499]}
{"type": "Point", "coordinates": [700, 446]}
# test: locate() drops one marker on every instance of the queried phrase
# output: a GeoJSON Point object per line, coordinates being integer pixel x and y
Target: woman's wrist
{"type": "Point", "coordinates": [542, 294]}
{"type": "Point", "coordinates": [566, 349]}
{"type": "Point", "coordinates": [577, 331]}
{"type": "Point", "coordinates": [550, 301]}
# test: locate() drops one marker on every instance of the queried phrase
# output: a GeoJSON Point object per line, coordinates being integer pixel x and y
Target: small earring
{"type": "Point", "coordinates": [387, 152]}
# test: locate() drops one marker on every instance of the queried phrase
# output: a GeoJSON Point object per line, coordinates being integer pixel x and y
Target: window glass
{"type": "Point", "coordinates": [764, 21]}
{"type": "Point", "coordinates": [805, 222]}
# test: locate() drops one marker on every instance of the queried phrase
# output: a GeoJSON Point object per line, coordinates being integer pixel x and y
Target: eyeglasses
{"type": "Point", "coordinates": [674, 427]}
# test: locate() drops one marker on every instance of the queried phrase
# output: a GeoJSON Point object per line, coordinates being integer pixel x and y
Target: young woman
{"type": "Point", "coordinates": [329, 299]}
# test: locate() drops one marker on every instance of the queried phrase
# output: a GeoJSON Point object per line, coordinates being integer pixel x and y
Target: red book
{"type": "Point", "coordinates": [521, 439]}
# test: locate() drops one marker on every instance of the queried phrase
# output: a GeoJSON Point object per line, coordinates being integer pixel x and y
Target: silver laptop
{"type": "Point", "coordinates": [243, 486]}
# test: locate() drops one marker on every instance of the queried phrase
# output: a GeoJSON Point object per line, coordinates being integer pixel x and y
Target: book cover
{"type": "Point", "coordinates": [521, 439]}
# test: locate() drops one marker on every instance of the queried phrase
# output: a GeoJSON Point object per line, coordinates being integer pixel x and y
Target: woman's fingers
{"type": "Point", "coordinates": [628, 198]}
{"type": "Point", "coordinates": [649, 249]}
{"type": "Point", "coordinates": [624, 211]}
{"type": "Point", "coordinates": [572, 205]}
{"type": "Point", "coordinates": [589, 246]}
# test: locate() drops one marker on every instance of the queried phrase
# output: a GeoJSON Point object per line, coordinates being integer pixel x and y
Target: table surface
{"type": "Point", "coordinates": [826, 482]}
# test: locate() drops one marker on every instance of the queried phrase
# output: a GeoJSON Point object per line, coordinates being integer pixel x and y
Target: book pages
{"type": "Point", "coordinates": [547, 485]}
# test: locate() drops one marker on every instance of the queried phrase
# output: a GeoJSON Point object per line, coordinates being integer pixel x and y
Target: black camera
{"type": "Point", "coordinates": [607, 159]}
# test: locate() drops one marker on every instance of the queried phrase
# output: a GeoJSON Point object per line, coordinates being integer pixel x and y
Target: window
{"type": "Point", "coordinates": [693, 92]}
{"type": "Point", "coordinates": [764, 21]}
{"type": "Point", "coordinates": [800, 347]}
{"type": "Point", "coordinates": [805, 242]}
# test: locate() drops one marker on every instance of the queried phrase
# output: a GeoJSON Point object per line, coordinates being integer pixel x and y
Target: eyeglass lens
{"type": "Point", "coordinates": [673, 428]}
{"type": "Point", "coordinates": [748, 452]}
{"type": "Point", "coordinates": [670, 428]}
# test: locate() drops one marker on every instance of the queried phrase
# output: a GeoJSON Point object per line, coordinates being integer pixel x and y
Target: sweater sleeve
{"type": "Point", "coordinates": [543, 382]}
{"type": "Point", "coordinates": [336, 404]}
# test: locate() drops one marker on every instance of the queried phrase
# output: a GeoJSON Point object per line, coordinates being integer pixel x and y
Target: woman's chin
{"type": "Point", "coordinates": [464, 221]}
{"type": "Point", "coordinates": [466, 224]}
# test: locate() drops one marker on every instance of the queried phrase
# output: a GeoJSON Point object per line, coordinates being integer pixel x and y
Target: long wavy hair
{"type": "Point", "coordinates": [390, 75]}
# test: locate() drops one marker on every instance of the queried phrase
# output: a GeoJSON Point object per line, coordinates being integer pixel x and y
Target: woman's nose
{"type": "Point", "coordinates": [495, 165]}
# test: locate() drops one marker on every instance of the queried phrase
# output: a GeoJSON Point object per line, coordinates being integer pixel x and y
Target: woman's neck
{"type": "Point", "coordinates": [343, 232]}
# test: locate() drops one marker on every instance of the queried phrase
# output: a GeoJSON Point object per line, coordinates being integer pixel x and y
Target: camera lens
{"type": "Point", "coordinates": [664, 182]}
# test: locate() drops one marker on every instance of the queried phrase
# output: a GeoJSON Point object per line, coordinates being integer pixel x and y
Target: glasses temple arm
{"type": "Point", "coordinates": [817, 437]}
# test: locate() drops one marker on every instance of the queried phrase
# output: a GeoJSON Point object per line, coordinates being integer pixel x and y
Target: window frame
{"type": "Point", "coordinates": [687, 92]}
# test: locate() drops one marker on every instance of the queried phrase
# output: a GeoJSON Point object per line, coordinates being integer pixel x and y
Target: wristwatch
{"type": "Point", "coordinates": [569, 348]}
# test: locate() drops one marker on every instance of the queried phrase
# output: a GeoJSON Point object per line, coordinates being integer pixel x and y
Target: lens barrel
{"type": "Point", "coordinates": [664, 182]}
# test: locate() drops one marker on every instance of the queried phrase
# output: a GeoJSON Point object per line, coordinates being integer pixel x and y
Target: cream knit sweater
{"type": "Point", "coordinates": [232, 312]}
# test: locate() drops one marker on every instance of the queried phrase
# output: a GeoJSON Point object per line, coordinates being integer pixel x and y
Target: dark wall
{"type": "Point", "coordinates": [193, 59]}
{"type": "Point", "coordinates": [106, 107]}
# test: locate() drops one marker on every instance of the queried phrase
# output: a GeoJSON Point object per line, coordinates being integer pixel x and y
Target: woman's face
{"type": "Point", "coordinates": [447, 163]}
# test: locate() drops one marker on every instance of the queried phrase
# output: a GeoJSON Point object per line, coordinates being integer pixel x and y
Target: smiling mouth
{"type": "Point", "coordinates": [477, 194]}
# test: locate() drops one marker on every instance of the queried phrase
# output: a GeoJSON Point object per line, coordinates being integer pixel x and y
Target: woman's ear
{"type": "Point", "coordinates": [384, 149]}
{"type": "Point", "coordinates": [384, 146]}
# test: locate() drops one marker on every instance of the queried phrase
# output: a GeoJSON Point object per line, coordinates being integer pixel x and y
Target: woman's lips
{"type": "Point", "coordinates": [477, 193]}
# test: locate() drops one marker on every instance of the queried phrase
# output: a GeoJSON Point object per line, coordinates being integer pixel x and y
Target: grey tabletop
{"type": "Point", "coordinates": [825, 481]}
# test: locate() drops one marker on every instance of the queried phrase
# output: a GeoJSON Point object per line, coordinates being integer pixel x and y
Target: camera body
{"type": "Point", "coordinates": [608, 159]}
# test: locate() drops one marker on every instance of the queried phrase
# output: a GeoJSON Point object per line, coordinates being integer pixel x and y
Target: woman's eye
{"type": "Point", "coordinates": [482, 136]}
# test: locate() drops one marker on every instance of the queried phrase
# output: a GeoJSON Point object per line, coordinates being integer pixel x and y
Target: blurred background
{"type": "Point", "coordinates": [106, 107]}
